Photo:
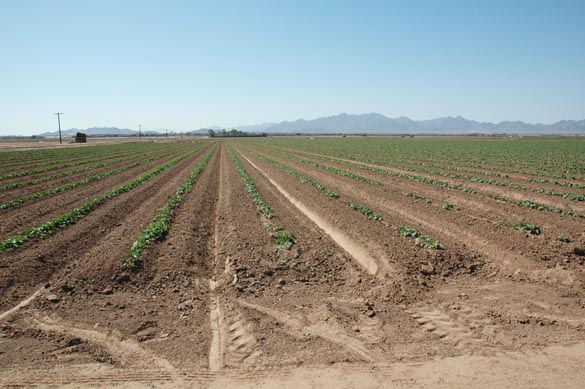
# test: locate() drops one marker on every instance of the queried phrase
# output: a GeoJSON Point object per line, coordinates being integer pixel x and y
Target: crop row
{"type": "Point", "coordinates": [102, 153]}
{"type": "Point", "coordinates": [367, 212]}
{"type": "Point", "coordinates": [51, 168]}
{"type": "Point", "coordinates": [45, 155]}
{"type": "Point", "coordinates": [68, 173]}
{"type": "Point", "coordinates": [76, 214]}
{"type": "Point", "coordinates": [512, 185]}
{"type": "Point", "coordinates": [328, 168]}
{"type": "Point", "coordinates": [555, 158]}
{"type": "Point", "coordinates": [294, 173]}
{"type": "Point", "coordinates": [261, 207]}
{"type": "Point", "coordinates": [159, 226]}
{"type": "Point", "coordinates": [523, 203]}
{"type": "Point", "coordinates": [72, 185]}
{"type": "Point", "coordinates": [407, 176]}
{"type": "Point", "coordinates": [284, 239]}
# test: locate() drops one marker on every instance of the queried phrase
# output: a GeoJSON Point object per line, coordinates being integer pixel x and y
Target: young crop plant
{"type": "Point", "coordinates": [564, 238]}
{"type": "Point", "coordinates": [420, 239]}
{"type": "Point", "coordinates": [529, 228]}
{"type": "Point", "coordinates": [408, 231]}
{"type": "Point", "coordinates": [365, 211]}
{"type": "Point", "coordinates": [159, 226]}
{"type": "Point", "coordinates": [448, 206]}
{"type": "Point", "coordinates": [416, 196]}
{"type": "Point", "coordinates": [543, 207]}
{"type": "Point", "coordinates": [76, 214]}
{"type": "Point", "coordinates": [428, 243]}
{"type": "Point", "coordinates": [498, 197]}
{"type": "Point", "coordinates": [284, 240]}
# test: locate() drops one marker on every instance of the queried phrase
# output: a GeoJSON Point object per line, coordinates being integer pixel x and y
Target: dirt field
{"type": "Point", "coordinates": [353, 303]}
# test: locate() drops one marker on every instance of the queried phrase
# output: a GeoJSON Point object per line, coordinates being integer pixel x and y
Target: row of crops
{"type": "Point", "coordinates": [555, 158]}
{"type": "Point", "coordinates": [426, 241]}
{"type": "Point", "coordinates": [381, 168]}
{"type": "Point", "coordinates": [180, 152]}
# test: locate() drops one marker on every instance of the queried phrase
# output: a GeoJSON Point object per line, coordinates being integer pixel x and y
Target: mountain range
{"type": "Point", "coordinates": [373, 123]}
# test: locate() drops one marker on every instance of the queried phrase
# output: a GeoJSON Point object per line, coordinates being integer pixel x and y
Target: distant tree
{"type": "Point", "coordinates": [211, 133]}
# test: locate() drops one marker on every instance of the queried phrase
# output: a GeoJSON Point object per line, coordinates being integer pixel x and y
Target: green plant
{"type": "Point", "coordinates": [284, 240]}
{"type": "Point", "coordinates": [529, 228]}
{"type": "Point", "coordinates": [422, 240]}
{"type": "Point", "coordinates": [365, 211]}
{"type": "Point", "coordinates": [419, 197]}
{"type": "Point", "coordinates": [428, 243]}
{"type": "Point", "coordinates": [564, 238]}
{"type": "Point", "coordinates": [408, 231]}
{"type": "Point", "coordinates": [448, 206]}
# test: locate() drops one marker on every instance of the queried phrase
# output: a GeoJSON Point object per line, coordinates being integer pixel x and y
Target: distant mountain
{"type": "Point", "coordinates": [375, 123]}
{"type": "Point", "coordinates": [100, 131]}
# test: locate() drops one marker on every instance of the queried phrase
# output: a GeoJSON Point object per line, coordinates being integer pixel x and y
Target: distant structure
{"type": "Point", "coordinates": [80, 137]}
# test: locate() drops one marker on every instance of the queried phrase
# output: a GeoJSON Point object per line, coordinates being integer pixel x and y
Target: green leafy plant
{"type": "Point", "coordinates": [529, 228]}
{"type": "Point", "coordinates": [428, 243]}
{"type": "Point", "coordinates": [422, 240]}
{"type": "Point", "coordinates": [408, 231]}
{"type": "Point", "coordinates": [365, 211]}
{"type": "Point", "coordinates": [284, 240]}
{"type": "Point", "coordinates": [419, 197]}
{"type": "Point", "coordinates": [448, 206]}
{"type": "Point", "coordinates": [564, 238]}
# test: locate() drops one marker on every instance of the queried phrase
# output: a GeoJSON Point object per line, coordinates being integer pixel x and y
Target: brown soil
{"type": "Point", "coordinates": [352, 304]}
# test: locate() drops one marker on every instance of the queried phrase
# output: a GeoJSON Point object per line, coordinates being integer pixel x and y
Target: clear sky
{"type": "Point", "coordinates": [185, 64]}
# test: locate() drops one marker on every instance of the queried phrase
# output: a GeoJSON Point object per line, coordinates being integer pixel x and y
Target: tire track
{"type": "Point", "coordinates": [320, 329]}
{"type": "Point", "coordinates": [126, 352]}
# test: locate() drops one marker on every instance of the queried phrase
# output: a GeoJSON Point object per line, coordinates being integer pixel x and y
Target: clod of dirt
{"type": "Point", "coordinates": [281, 281]}
{"type": "Point", "coordinates": [73, 342]}
{"type": "Point", "coordinates": [123, 278]}
{"type": "Point", "coordinates": [427, 270]}
{"type": "Point", "coordinates": [53, 298]}
{"type": "Point", "coordinates": [108, 290]}
{"type": "Point", "coordinates": [579, 251]}
{"type": "Point", "coordinates": [67, 288]}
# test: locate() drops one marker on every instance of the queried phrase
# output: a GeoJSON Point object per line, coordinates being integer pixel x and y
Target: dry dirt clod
{"type": "Point", "coordinates": [579, 251]}
{"type": "Point", "coordinates": [53, 298]}
{"type": "Point", "coordinates": [427, 270]}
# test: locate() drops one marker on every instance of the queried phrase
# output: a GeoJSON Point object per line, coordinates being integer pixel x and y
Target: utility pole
{"type": "Point", "coordinates": [59, 121]}
{"type": "Point", "coordinates": [167, 132]}
{"type": "Point", "coordinates": [140, 131]}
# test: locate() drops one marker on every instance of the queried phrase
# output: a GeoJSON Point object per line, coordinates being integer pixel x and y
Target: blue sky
{"type": "Point", "coordinates": [184, 64]}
